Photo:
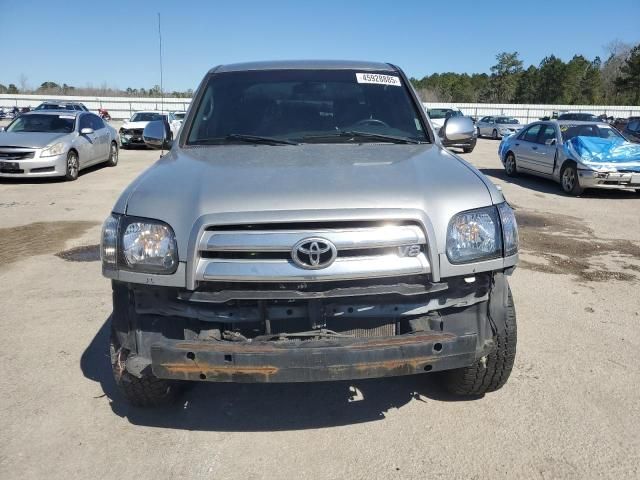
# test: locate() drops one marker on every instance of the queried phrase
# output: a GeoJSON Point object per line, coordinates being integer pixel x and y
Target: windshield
{"type": "Point", "coordinates": [584, 117]}
{"type": "Point", "coordinates": [179, 116]}
{"type": "Point", "coordinates": [588, 130]}
{"type": "Point", "coordinates": [146, 117]}
{"type": "Point", "coordinates": [43, 123]}
{"type": "Point", "coordinates": [54, 106]}
{"type": "Point", "coordinates": [440, 113]}
{"type": "Point", "coordinates": [507, 120]}
{"type": "Point", "coordinates": [304, 105]}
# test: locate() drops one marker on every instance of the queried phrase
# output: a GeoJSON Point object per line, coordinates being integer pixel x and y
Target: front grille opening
{"type": "Point", "coordinates": [356, 252]}
{"type": "Point", "coordinates": [308, 225]}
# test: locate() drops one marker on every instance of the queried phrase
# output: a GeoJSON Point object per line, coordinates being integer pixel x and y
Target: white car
{"type": "Point", "coordinates": [175, 122]}
{"type": "Point", "coordinates": [131, 130]}
{"type": "Point", "coordinates": [439, 115]}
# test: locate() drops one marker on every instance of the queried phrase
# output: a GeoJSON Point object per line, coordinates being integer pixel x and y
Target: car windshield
{"type": "Point", "coordinates": [583, 117]}
{"type": "Point", "coordinates": [507, 120]}
{"type": "Point", "coordinates": [319, 106]}
{"type": "Point", "coordinates": [53, 106]}
{"type": "Point", "coordinates": [588, 130]}
{"type": "Point", "coordinates": [440, 113]}
{"type": "Point", "coordinates": [146, 117]}
{"type": "Point", "coordinates": [43, 123]}
{"type": "Point", "coordinates": [179, 116]}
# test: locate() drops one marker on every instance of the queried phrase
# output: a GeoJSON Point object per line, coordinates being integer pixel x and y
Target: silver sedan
{"type": "Point", "coordinates": [56, 144]}
{"type": "Point", "coordinates": [497, 127]}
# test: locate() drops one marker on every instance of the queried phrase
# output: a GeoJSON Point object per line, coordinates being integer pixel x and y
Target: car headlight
{"type": "Point", "coordinates": [509, 229]}
{"type": "Point", "coordinates": [474, 235]}
{"type": "Point", "coordinates": [51, 150]}
{"type": "Point", "coordinates": [139, 244]}
{"type": "Point", "coordinates": [482, 234]}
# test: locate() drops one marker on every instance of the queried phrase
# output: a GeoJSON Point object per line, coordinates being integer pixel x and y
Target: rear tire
{"type": "Point", "coordinates": [569, 180]}
{"type": "Point", "coordinates": [492, 372]}
{"type": "Point", "coordinates": [494, 134]}
{"type": "Point", "coordinates": [146, 391]}
{"type": "Point", "coordinates": [73, 166]}
{"type": "Point", "coordinates": [113, 155]}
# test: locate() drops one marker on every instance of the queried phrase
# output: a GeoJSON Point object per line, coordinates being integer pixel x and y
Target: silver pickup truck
{"type": "Point", "coordinates": [308, 225]}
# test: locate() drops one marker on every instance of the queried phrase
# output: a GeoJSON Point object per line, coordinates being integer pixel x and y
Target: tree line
{"type": "Point", "coordinates": [53, 88]}
{"type": "Point", "coordinates": [580, 81]}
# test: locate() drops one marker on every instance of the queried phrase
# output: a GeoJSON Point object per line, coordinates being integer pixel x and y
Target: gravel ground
{"type": "Point", "coordinates": [570, 409]}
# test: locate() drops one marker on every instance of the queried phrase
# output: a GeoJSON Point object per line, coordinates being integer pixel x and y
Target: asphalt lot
{"type": "Point", "coordinates": [570, 409]}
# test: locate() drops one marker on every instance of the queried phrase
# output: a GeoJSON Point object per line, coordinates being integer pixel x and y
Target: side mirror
{"type": "Point", "coordinates": [155, 135]}
{"type": "Point", "coordinates": [86, 131]}
{"type": "Point", "coordinates": [550, 141]}
{"type": "Point", "coordinates": [457, 130]}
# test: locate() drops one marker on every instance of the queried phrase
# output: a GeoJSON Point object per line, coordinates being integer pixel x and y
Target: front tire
{"type": "Point", "coordinates": [510, 167]}
{"type": "Point", "coordinates": [146, 391]}
{"type": "Point", "coordinates": [494, 134]}
{"type": "Point", "coordinates": [491, 372]}
{"type": "Point", "coordinates": [73, 166]}
{"type": "Point", "coordinates": [569, 181]}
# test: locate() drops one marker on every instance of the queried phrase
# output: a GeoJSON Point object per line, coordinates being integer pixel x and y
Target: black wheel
{"type": "Point", "coordinates": [494, 134]}
{"type": "Point", "coordinates": [569, 180]}
{"type": "Point", "coordinates": [491, 372]}
{"type": "Point", "coordinates": [479, 134]}
{"type": "Point", "coordinates": [510, 165]}
{"type": "Point", "coordinates": [73, 166]}
{"type": "Point", "coordinates": [146, 391]}
{"type": "Point", "coordinates": [467, 149]}
{"type": "Point", "coordinates": [113, 155]}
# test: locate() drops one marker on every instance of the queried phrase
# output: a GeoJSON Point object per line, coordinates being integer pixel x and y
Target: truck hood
{"type": "Point", "coordinates": [245, 183]}
{"type": "Point", "coordinates": [29, 139]}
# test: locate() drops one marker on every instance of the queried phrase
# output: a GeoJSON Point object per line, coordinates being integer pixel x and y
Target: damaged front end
{"type": "Point", "coordinates": [292, 332]}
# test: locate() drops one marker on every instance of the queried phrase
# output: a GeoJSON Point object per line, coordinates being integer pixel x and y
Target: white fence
{"type": "Point", "coordinates": [530, 113]}
{"type": "Point", "coordinates": [118, 107]}
{"type": "Point", "coordinates": [123, 107]}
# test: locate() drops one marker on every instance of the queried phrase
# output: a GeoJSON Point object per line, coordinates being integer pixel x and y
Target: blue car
{"type": "Point", "coordinates": [578, 155]}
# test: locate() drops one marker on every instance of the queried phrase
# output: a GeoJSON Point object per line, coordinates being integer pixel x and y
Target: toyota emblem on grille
{"type": "Point", "coordinates": [314, 253]}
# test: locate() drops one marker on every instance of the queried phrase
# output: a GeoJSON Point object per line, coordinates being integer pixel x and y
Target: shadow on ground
{"type": "Point", "coordinates": [40, 180]}
{"type": "Point", "coordinates": [264, 407]}
{"type": "Point", "coordinates": [544, 185]}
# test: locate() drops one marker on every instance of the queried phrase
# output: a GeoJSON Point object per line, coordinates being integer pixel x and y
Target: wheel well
{"type": "Point", "coordinates": [566, 163]}
{"type": "Point", "coordinates": [74, 151]}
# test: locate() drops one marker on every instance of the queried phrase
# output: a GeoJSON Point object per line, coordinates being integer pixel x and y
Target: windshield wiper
{"type": "Point", "coordinates": [256, 139]}
{"type": "Point", "coordinates": [352, 134]}
{"type": "Point", "coordinates": [259, 139]}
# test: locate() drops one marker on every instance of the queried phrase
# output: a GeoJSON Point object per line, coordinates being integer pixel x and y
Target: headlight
{"type": "Point", "coordinates": [138, 244]}
{"type": "Point", "coordinates": [55, 149]}
{"type": "Point", "coordinates": [474, 235]}
{"type": "Point", "coordinates": [509, 229]}
{"type": "Point", "coordinates": [149, 246]}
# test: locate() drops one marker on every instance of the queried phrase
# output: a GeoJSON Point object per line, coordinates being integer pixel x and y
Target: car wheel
{"type": "Point", "coordinates": [146, 391]}
{"type": "Point", "coordinates": [492, 371]}
{"type": "Point", "coordinates": [478, 131]}
{"type": "Point", "coordinates": [467, 149]}
{"type": "Point", "coordinates": [510, 167]}
{"type": "Point", "coordinates": [113, 155]}
{"type": "Point", "coordinates": [569, 181]}
{"type": "Point", "coordinates": [73, 166]}
{"type": "Point", "coordinates": [494, 134]}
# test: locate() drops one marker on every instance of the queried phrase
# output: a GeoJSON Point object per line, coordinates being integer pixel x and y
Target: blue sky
{"type": "Point", "coordinates": [115, 41]}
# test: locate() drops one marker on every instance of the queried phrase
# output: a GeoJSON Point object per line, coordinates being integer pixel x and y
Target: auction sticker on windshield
{"type": "Point", "coordinates": [378, 79]}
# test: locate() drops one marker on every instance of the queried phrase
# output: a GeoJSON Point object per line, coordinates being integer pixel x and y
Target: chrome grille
{"type": "Point", "coordinates": [263, 253]}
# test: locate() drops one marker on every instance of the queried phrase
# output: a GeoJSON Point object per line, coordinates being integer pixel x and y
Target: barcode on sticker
{"type": "Point", "coordinates": [378, 79]}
